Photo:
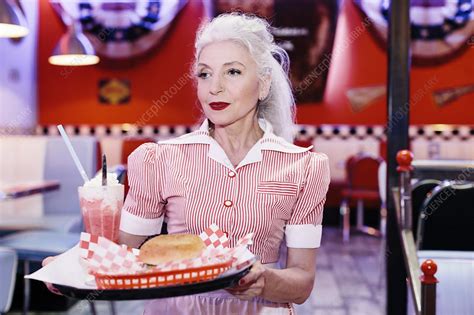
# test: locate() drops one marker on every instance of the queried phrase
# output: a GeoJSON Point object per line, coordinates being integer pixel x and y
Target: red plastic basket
{"type": "Point", "coordinates": [160, 278]}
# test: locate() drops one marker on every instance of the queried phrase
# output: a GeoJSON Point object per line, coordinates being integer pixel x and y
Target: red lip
{"type": "Point", "coordinates": [218, 105]}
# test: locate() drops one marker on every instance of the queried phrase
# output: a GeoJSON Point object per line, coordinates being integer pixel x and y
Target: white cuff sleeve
{"type": "Point", "coordinates": [133, 224]}
{"type": "Point", "coordinates": [303, 235]}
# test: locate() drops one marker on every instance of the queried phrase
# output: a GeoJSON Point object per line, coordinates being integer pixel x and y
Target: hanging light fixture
{"type": "Point", "coordinates": [12, 21]}
{"type": "Point", "coordinates": [74, 49]}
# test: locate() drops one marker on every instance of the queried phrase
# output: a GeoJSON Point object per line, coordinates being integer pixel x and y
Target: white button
{"type": "Point", "coordinates": [228, 203]}
{"type": "Point", "coordinates": [231, 174]}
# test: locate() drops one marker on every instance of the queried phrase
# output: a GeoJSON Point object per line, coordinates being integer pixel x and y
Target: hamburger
{"type": "Point", "coordinates": [170, 247]}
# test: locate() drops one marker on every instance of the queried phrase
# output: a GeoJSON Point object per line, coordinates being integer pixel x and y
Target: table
{"type": "Point", "coordinates": [17, 222]}
{"type": "Point", "coordinates": [27, 189]}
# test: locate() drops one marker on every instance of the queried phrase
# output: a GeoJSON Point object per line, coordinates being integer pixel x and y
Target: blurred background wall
{"type": "Point", "coordinates": [69, 94]}
{"type": "Point", "coordinates": [18, 102]}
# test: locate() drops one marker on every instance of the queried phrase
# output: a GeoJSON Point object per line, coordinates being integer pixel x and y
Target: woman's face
{"type": "Point", "coordinates": [228, 83]}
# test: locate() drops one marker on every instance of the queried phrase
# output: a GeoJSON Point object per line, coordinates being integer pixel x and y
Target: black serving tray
{"type": "Point", "coordinates": [152, 293]}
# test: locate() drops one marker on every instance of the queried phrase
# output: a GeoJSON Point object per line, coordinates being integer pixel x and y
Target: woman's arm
{"type": "Point", "coordinates": [295, 283]}
{"type": "Point", "coordinates": [131, 240]}
{"type": "Point", "coordinates": [291, 285]}
{"type": "Point", "coordinates": [143, 209]}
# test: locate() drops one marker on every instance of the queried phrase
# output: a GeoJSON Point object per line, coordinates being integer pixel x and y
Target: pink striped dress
{"type": "Point", "coordinates": [277, 191]}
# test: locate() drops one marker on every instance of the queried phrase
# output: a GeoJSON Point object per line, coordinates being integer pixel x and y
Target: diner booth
{"type": "Point", "coordinates": [383, 88]}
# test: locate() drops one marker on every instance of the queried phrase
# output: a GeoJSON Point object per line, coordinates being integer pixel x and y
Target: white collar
{"type": "Point", "coordinates": [269, 141]}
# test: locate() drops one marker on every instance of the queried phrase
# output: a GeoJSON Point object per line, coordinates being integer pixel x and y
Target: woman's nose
{"type": "Point", "coordinates": [216, 85]}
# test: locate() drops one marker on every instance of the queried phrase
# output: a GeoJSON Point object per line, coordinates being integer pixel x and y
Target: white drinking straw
{"type": "Point", "coordinates": [73, 153]}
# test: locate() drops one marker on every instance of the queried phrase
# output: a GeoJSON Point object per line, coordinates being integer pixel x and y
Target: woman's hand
{"type": "Point", "coordinates": [50, 287]}
{"type": "Point", "coordinates": [251, 285]}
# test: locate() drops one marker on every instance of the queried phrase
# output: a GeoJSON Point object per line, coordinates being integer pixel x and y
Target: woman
{"type": "Point", "coordinates": [238, 171]}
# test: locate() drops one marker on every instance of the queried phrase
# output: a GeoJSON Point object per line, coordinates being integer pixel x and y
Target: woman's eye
{"type": "Point", "coordinates": [203, 75]}
{"type": "Point", "coordinates": [234, 72]}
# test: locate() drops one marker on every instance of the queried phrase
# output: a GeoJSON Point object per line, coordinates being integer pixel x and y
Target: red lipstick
{"type": "Point", "coordinates": [218, 105]}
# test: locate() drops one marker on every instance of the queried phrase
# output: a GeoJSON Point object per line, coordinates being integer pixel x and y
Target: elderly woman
{"type": "Point", "coordinates": [239, 170]}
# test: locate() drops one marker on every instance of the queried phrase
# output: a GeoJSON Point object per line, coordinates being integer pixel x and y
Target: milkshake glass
{"type": "Point", "coordinates": [101, 207]}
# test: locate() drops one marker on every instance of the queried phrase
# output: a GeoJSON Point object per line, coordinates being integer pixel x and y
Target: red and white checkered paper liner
{"type": "Point", "coordinates": [106, 257]}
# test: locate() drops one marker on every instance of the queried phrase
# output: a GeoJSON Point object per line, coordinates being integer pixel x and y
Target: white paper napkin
{"type": "Point", "coordinates": [66, 270]}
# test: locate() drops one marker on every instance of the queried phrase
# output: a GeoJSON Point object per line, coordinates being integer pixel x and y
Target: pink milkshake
{"type": "Point", "coordinates": [101, 207]}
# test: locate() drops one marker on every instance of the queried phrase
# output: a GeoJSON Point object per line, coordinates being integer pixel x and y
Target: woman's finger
{"type": "Point", "coordinates": [251, 285]}
{"type": "Point", "coordinates": [240, 291]}
{"type": "Point", "coordinates": [252, 291]}
{"type": "Point", "coordinates": [52, 289]}
{"type": "Point", "coordinates": [249, 294]}
{"type": "Point", "coordinates": [255, 273]}
{"type": "Point", "coordinates": [47, 260]}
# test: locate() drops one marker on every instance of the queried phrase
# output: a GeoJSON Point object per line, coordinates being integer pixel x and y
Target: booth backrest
{"type": "Point", "coordinates": [447, 216]}
{"type": "Point", "coordinates": [60, 166]}
{"type": "Point", "coordinates": [421, 190]}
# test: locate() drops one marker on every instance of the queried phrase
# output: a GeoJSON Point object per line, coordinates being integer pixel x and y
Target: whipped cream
{"type": "Point", "coordinates": [109, 195]}
{"type": "Point", "coordinates": [97, 180]}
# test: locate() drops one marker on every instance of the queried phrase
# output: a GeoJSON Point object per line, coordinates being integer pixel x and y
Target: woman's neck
{"type": "Point", "coordinates": [238, 138]}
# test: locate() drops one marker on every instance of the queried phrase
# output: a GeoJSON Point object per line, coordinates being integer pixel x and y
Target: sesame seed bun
{"type": "Point", "coordinates": [171, 247]}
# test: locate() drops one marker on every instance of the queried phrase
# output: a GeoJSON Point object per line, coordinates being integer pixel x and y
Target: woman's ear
{"type": "Point", "coordinates": [265, 83]}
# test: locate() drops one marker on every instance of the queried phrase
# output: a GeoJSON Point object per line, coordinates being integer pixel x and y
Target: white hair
{"type": "Point", "coordinates": [254, 34]}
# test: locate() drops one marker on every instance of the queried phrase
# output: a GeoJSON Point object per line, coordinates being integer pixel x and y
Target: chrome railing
{"type": "Point", "coordinates": [422, 284]}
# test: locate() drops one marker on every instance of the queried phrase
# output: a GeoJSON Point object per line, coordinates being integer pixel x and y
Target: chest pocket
{"type": "Point", "coordinates": [277, 188]}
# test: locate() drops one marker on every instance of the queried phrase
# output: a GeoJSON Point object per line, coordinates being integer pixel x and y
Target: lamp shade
{"type": "Point", "coordinates": [73, 49]}
{"type": "Point", "coordinates": [12, 21]}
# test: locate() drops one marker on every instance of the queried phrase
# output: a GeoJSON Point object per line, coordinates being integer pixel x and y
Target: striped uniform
{"type": "Point", "coordinates": [277, 191]}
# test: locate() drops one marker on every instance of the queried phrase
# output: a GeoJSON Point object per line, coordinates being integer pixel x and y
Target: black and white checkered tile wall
{"type": "Point", "coordinates": [305, 132]}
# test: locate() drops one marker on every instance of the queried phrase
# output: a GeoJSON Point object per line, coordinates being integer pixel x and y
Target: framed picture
{"type": "Point", "coordinates": [114, 91]}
